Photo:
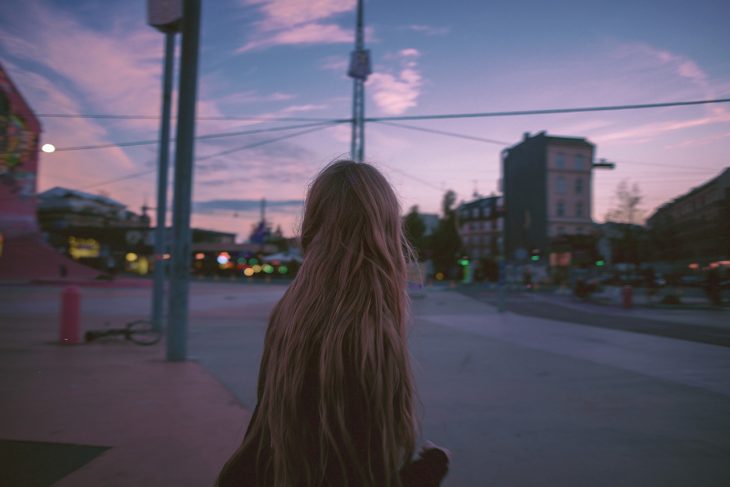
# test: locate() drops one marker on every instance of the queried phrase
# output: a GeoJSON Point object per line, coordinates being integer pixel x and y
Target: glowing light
{"type": "Point", "coordinates": [268, 269]}
{"type": "Point", "coordinates": [83, 247]}
{"type": "Point", "coordinates": [131, 257]}
{"type": "Point", "coordinates": [223, 258]}
{"type": "Point", "coordinates": [166, 256]}
{"type": "Point", "coordinates": [241, 260]}
{"type": "Point", "coordinates": [48, 148]}
{"type": "Point", "coordinates": [535, 258]}
{"type": "Point", "coordinates": [199, 256]}
{"type": "Point", "coordinates": [694, 265]}
{"type": "Point", "coordinates": [253, 261]}
{"type": "Point", "coordinates": [248, 271]}
{"type": "Point", "coordinates": [600, 263]}
{"type": "Point", "coordinates": [439, 276]}
{"type": "Point", "coordinates": [283, 269]}
{"type": "Point", "coordinates": [257, 268]}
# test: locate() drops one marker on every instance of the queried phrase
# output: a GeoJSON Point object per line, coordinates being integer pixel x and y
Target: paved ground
{"type": "Point", "coordinates": [520, 400]}
{"type": "Point", "coordinates": [710, 325]}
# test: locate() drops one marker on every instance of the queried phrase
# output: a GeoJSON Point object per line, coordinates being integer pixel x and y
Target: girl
{"type": "Point", "coordinates": [335, 390]}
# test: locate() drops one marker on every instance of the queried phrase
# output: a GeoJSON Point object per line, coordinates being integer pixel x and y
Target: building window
{"type": "Point", "coordinates": [560, 184]}
{"type": "Point", "coordinates": [578, 185]}
{"type": "Point", "coordinates": [560, 160]}
{"type": "Point", "coordinates": [561, 208]}
{"type": "Point", "coordinates": [579, 161]}
{"type": "Point", "coordinates": [579, 209]}
{"type": "Point", "coordinates": [474, 213]}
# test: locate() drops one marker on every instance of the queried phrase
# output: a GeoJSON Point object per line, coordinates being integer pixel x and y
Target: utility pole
{"type": "Point", "coordinates": [184, 152]}
{"type": "Point", "coordinates": [359, 71]}
{"type": "Point", "coordinates": [169, 26]}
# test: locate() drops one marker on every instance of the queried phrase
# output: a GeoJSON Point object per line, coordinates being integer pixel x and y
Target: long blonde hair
{"type": "Point", "coordinates": [342, 325]}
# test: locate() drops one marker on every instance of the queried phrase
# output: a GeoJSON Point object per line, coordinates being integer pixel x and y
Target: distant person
{"type": "Point", "coordinates": [336, 399]}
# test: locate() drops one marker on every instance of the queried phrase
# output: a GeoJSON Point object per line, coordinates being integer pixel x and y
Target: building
{"type": "Point", "coordinates": [24, 254]}
{"type": "Point", "coordinates": [104, 234]}
{"type": "Point", "coordinates": [480, 226]}
{"type": "Point", "coordinates": [19, 135]}
{"type": "Point", "coordinates": [695, 227]}
{"type": "Point", "coordinates": [547, 185]}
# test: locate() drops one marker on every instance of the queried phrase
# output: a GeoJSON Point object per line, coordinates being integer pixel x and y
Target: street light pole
{"type": "Point", "coordinates": [184, 152]}
{"type": "Point", "coordinates": [158, 292]}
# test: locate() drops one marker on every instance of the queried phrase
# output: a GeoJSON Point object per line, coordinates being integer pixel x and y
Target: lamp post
{"type": "Point", "coordinates": [165, 16]}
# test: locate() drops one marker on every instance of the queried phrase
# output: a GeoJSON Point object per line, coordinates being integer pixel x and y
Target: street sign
{"type": "Point", "coordinates": [360, 64]}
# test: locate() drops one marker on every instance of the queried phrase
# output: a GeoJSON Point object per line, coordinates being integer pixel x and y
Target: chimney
{"type": "Point", "coordinates": [525, 136]}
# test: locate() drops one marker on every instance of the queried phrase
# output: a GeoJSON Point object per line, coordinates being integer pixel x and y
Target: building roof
{"type": "Point", "coordinates": [723, 179]}
{"type": "Point", "coordinates": [61, 193]}
{"type": "Point", "coordinates": [543, 137]}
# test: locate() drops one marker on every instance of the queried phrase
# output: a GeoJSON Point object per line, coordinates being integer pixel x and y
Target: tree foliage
{"type": "Point", "coordinates": [445, 241]}
{"type": "Point", "coordinates": [628, 202]}
{"type": "Point", "coordinates": [415, 230]}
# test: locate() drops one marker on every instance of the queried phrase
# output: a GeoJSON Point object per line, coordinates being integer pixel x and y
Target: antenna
{"type": "Point", "coordinates": [359, 71]}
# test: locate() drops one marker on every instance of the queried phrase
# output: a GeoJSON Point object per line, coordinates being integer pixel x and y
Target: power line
{"type": "Point", "coordinates": [267, 141]}
{"type": "Point", "coordinates": [550, 111]}
{"type": "Point", "coordinates": [249, 146]}
{"type": "Point", "coordinates": [111, 116]}
{"type": "Point", "coordinates": [217, 135]}
{"type": "Point", "coordinates": [389, 120]}
{"type": "Point", "coordinates": [443, 132]}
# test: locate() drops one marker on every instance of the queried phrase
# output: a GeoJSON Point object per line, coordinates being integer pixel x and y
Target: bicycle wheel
{"type": "Point", "coordinates": [141, 333]}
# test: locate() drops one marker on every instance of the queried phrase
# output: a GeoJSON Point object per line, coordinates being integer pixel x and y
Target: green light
{"type": "Point", "coordinates": [268, 269]}
{"type": "Point", "coordinates": [253, 261]}
{"type": "Point", "coordinates": [600, 263]}
{"type": "Point", "coordinates": [464, 262]}
{"type": "Point", "coordinates": [535, 258]}
{"type": "Point", "coordinates": [283, 269]}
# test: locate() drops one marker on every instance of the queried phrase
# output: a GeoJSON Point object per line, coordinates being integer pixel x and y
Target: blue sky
{"type": "Point", "coordinates": [288, 58]}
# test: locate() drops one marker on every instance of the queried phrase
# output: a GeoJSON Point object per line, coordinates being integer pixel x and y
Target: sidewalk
{"type": "Point", "coordinates": [157, 423]}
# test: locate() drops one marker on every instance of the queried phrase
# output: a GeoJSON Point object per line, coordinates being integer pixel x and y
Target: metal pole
{"type": "Point", "coordinates": [353, 137]}
{"type": "Point", "coordinates": [502, 299]}
{"type": "Point", "coordinates": [158, 292]}
{"type": "Point", "coordinates": [360, 60]}
{"type": "Point", "coordinates": [184, 151]}
{"type": "Point", "coordinates": [361, 121]}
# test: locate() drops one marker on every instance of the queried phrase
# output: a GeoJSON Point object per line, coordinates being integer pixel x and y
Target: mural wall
{"type": "Point", "coordinates": [19, 136]}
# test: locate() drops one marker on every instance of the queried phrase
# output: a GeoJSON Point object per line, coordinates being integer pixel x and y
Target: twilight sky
{"type": "Point", "coordinates": [288, 58]}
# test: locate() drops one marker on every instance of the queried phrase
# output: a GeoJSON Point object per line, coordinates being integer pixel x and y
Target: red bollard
{"type": "Point", "coordinates": [628, 296]}
{"type": "Point", "coordinates": [70, 315]}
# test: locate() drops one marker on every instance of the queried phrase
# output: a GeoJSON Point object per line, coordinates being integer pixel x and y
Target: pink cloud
{"type": "Point", "coordinates": [298, 22]}
{"type": "Point", "coordinates": [396, 93]}
{"type": "Point", "coordinates": [280, 14]}
{"type": "Point", "coordinates": [313, 33]}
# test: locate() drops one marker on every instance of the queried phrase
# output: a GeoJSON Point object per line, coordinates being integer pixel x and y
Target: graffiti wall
{"type": "Point", "coordinates": [19, 135]}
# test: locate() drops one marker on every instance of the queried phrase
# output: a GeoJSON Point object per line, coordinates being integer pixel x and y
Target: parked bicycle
{"type": "Point", "coordinates": [139, 332]}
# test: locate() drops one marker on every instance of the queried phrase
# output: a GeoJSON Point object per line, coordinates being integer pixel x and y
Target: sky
{"type": "Point", "coordinates": [288, 58]}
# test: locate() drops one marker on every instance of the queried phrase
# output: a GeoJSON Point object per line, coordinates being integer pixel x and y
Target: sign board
{"type": "Point", "coordinates": [165, 15]}
{"type": "Point", "coordinates": [360, 64]}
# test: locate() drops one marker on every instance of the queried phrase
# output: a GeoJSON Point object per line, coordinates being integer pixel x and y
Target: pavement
{"type": "Point", "coordinates": [520, 400]}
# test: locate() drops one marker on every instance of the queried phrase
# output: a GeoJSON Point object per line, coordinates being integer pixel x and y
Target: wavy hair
{"type": "Point", "coordinates": [335, 383]}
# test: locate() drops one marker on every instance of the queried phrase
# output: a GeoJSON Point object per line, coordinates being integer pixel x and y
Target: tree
{"type": "Point", "coordinates": [445, 241]}
{"type": "Point", "coordinates": [415, 230]}
{"type": "Point", "coordinates": [627, 208]}
{"type": "Point", "coordinates": [629, 216]}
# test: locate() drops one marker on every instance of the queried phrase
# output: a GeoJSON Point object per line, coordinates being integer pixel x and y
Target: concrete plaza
{"type": "Point", "coordinates": [520, 401]}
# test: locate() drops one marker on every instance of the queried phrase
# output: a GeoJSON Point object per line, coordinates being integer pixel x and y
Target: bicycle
{"type": "Point", "coordinates": [139, 332]}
